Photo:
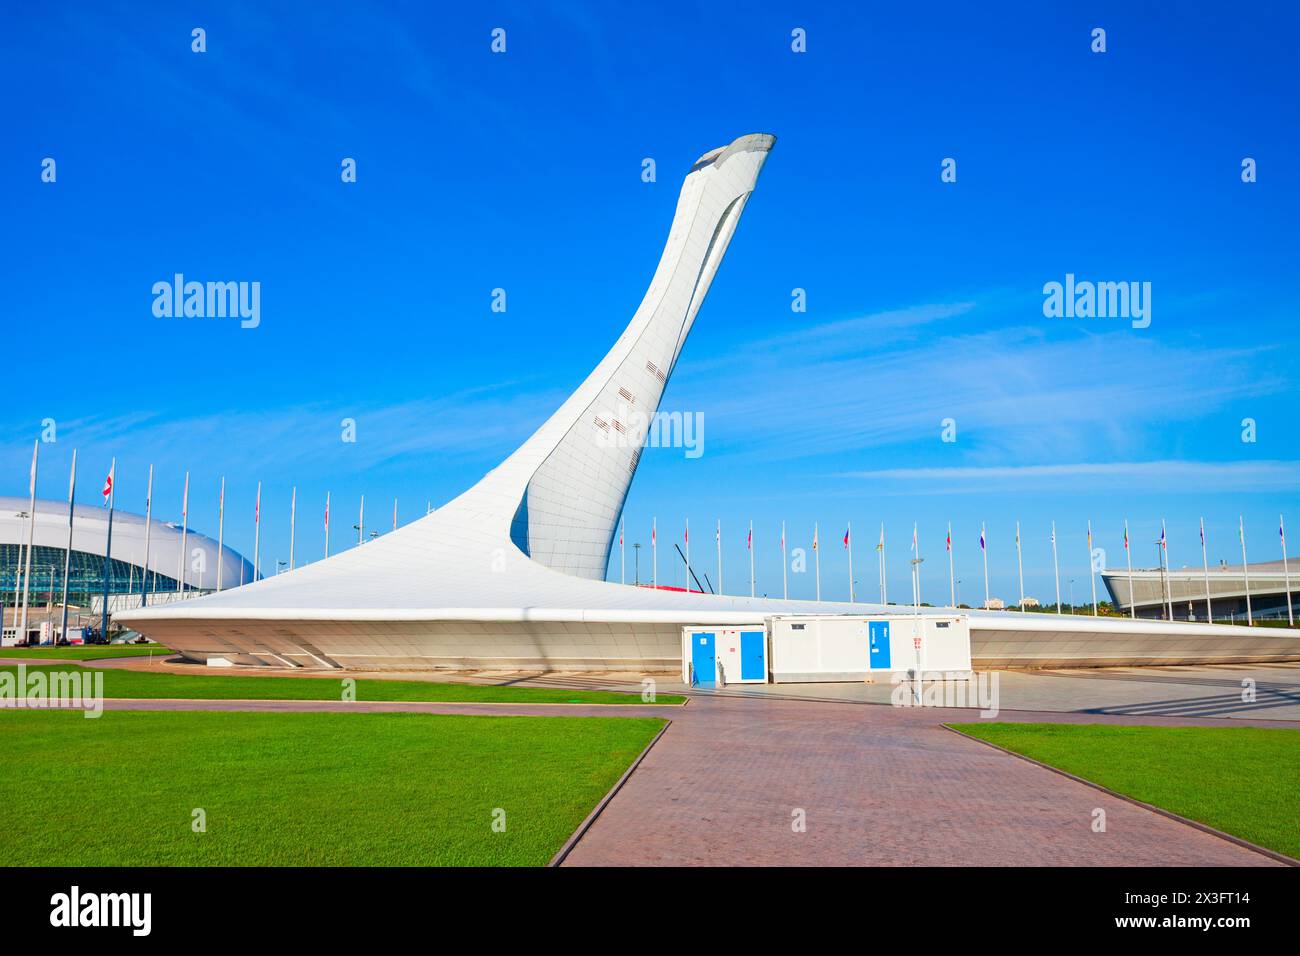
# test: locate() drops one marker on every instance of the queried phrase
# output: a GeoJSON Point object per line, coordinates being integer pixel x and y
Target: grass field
{"type": "Point", "coordinates": [87, 652]}
{"type": "Point", "coordinates": [1241, 780]}
{"type": "Point", "coordinates": [302, 789]}
{"type": "Point", "coordinates": [153, 685]}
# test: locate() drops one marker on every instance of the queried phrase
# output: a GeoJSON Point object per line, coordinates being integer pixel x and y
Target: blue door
{"type": "Point", "coordinates": [704, 671]}
{"type": "Point", "coordinates": [879, 634]}
{"type": "Point", "coordinates": [752, 665]}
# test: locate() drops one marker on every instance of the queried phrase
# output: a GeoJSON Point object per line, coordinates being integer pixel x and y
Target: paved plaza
{"type": "Point", "coordinates": [824, 774]}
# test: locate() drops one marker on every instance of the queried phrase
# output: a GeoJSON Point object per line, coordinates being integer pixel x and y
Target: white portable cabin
{"type": "Point", "coordinates": [714, 656]}
{"type": "Point", "coordinates": [811, 648]}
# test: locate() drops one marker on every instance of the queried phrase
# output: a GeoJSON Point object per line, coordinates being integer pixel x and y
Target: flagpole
{"type": "Point", "coordinates": [622, 553]}
{"type": "Point", "coordinates": [654, 552]}
{"type": "Point", "coordinates": [67, 555]}
{"type": "Point", "coordinates": [1092, 571]}
{"type": "Point", "coordinates": [817, 562]}
{"type": "Point", "coordinates": [394, 514]}
{"type": "Point", "coordinates": [257, 533]}
{"type": "Point", "coordinates": [108, 547]}
{"type": "Point", "coordinates": [848, 535]}
{"type": "Point", "coordinates": [293, 523]}
{"type": "Point", "coordinates": [751, 557]}
{"type": "Point", "coordinates": [221, 530]}
{"type": "Point", "coordinates": [148, 520]}
{"type": "Point", "coordinates": [1164, 558]}
{"type": "Point", "coordinates": [185, 508]}
{"type": "Point", "coordinates": [785, 576]}
{"type": "Point", "coordinates": [785, 567]}
{"type": "Point", "coordinates": [1128, 555]}
{"type": "Point", "coordinates": [1286, 572]}
{"type": "Point", "coordinates": [361, 523]}
{"type": "Point", "coordinates": [1020, 569]}
{"type": "Point", "coordinates": [31, 538]}
{"type": "Point", "coordinates": [1205, 566]}
{"type": "Point", "coordinates": [952, 574]}
{"type": "Point", "coordinates": [327, 524]}
{"type": "Point", "coordinates": [688, 556]}
{"type": "Point", "coordinates": [1056, 568]}
{"type": "Point", "coordinates": [1245, 569]}
{"type": "Point", "coordinates": [985, 548]}
{"type": "Point", "coordinates": [884, 577]}
{"type": "Point", "coordinates": [719, 555]}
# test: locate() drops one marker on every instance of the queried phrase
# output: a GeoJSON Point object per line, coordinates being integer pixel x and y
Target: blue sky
{"type": "Point", "coordinates": [522, 171]}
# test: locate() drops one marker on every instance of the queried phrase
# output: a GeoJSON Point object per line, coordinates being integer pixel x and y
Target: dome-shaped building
{"type": "Point", "coordinates": [130, 582]}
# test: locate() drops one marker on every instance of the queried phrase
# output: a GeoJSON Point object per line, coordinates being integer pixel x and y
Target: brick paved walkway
{"type": "Point", "coordinates": [880, 786]}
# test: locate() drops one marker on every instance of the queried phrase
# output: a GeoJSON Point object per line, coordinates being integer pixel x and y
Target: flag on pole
{"type": "Point", "coordinates": [814, 537]}
{"type": "Point", "coordinates": [654, 537]}
{"type": "Point", "coordinates": [749, 541]}
{"type": "Point", "coordinates": [1126, 536]}
{"type": "Point", "coordinates": [846, 538]}
{"type": "Point", "coordinates": [108, 482]}
{"type": "Point", "coordinates": [948, 541]}
{"type": "Point", "coordinates": [982, 548]}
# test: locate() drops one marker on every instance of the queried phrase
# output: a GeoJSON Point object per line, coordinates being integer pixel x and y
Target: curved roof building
{"type": "Point", "coordinates": [89, 545]}
{"type": "Point", "coordinates": [510, 573]}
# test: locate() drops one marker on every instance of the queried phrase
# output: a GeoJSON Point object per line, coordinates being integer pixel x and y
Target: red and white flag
{"type": "Point", "coordinates": [327, 511]}
{"type": "Point", "coordinates": [749, 541]}
{"type": "Point", "coordinates": [108, 484]}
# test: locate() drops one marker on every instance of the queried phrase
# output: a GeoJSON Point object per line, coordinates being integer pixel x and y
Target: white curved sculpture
{"type": "Point", "coordinates": [510, 573]}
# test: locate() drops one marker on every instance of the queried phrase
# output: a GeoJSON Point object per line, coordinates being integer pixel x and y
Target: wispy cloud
{"type": "Point", "coordinates": [472, 426]}
{"type": "Point", "coordinates": [1016, 392]}
{"type": "Point", "coordinates": [1167, 477]}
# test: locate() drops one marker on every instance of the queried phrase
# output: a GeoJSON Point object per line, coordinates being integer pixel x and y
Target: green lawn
{"type": "Point", "coordinates": [302, 789]}
{"type": "Point", "coordinates": [167, 684]}
{"type": "Point", "coordinates": [87, 652]}
{"type": "Point", "coordinates": [1241, 780]}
